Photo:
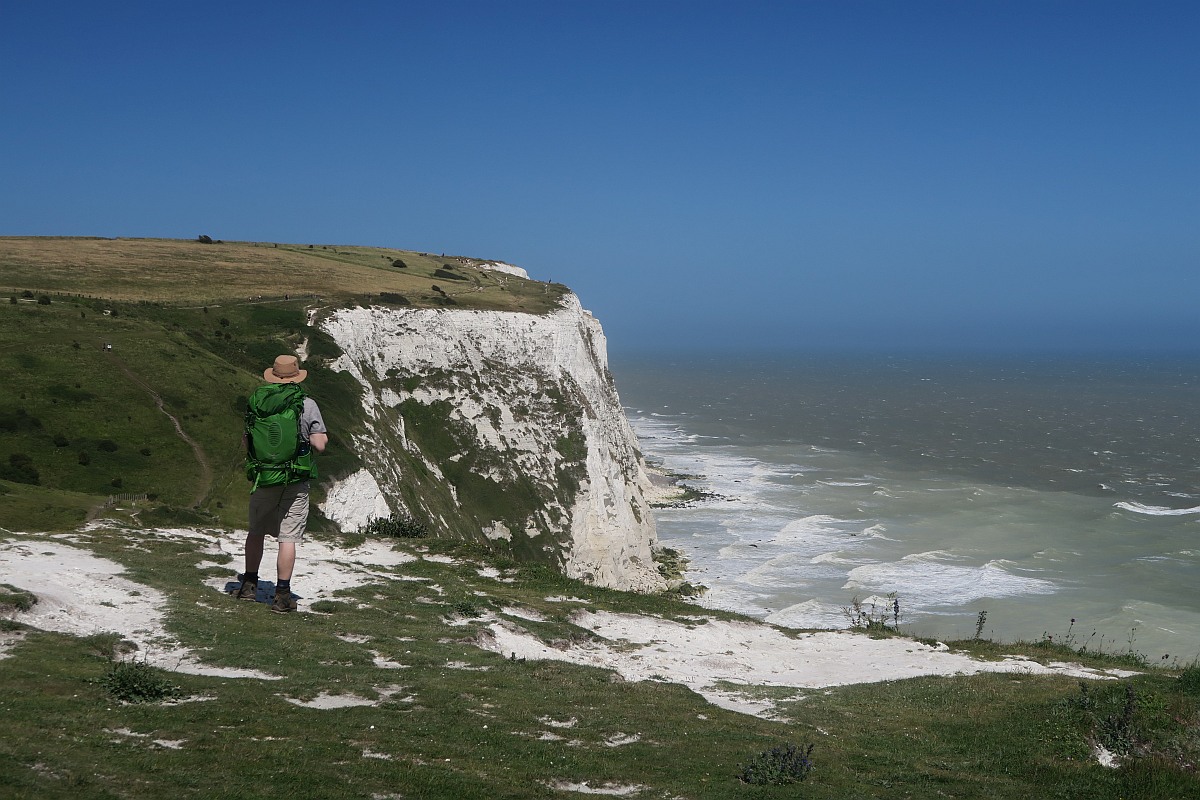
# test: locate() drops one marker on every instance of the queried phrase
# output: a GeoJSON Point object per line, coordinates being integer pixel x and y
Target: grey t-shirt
{"type": "Point", "coordinates": [311, 420]}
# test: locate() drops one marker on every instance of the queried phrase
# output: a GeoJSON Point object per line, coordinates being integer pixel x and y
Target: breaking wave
{"type": "Point", "coordinates": [1156, 511]}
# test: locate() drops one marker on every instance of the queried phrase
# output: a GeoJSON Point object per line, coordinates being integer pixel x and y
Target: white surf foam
{"type": "Point", "coordinates": [925, 579]}
{"type": "Point", "coordinates": [1156, 511]}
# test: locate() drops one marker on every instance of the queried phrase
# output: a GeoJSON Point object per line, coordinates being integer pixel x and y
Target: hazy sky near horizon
{"type": "Point", "coordinates": [853, 174]}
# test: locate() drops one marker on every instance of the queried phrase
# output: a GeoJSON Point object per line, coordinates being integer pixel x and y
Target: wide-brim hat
{"type": "Point", "coordinates": [286, 369]}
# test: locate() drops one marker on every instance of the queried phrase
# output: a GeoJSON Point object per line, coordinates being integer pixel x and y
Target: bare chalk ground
{"type": "Point", "coordinates": [81, 593]}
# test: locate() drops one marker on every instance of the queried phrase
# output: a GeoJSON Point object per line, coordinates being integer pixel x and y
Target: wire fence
{"type": "Point", "coordinates": [127, 497]}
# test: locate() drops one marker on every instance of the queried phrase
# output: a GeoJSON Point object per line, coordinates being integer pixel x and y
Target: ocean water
{"type": "Point", "coordinates": [1040, 491]}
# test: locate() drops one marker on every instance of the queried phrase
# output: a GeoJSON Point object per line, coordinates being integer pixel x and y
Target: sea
{"type": "Point", "coordinates": [1017, 498]}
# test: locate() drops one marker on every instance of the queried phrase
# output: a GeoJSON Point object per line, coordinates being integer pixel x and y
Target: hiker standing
{"type": "Point", "coordinates": [283, 427]}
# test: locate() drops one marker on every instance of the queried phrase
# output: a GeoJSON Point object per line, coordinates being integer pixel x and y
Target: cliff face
{"type": "Point", "coordinates": [497, 425]}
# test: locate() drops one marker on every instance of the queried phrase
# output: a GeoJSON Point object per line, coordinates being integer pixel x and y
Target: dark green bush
{"type": "Point", "coordinates": [138, 682]}
{"type": "Point", "coordinates": [20, 469]}
{"type": "Point", "coordinates": [61, 441]}
{"type": "Point", "coordinates": [395, 299]}
{"type": "Point", "coordinates": [12, 421]}
{"type": "Point", "coordinates": [107, 445]}
{"type": "Point", "coordinates": [465, 608]}
{"type": "Point", "coordinates": [1189, 679]}
{"type": "Point", "coordinates": [43, 300]}
{"type": "Point", "coordinates": [780, 765]}
{"type": "Point", "coordinates": [397, 263]}
{"type": "Point", "coordinates": [399, 526]}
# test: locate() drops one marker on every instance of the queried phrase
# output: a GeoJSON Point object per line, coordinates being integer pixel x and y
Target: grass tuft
{"type": "Point", "coordinates": [778, 766]}
{"type": "Point", "coordinates": [138, 682]}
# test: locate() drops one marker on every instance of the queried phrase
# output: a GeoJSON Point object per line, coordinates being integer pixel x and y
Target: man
{"type": "Point", "coordinates": [279, 500]}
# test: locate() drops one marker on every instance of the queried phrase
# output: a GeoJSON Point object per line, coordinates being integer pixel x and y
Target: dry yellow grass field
{"type": "Point", "coordinates": [190, 272]}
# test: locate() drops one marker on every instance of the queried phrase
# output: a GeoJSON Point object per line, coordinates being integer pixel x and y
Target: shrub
{"type": "Point", "coordinates": [117, 483]}
{"type": "Point", "coordinates": [780, 765]}
{"type": "Point", "coordinates": [400, 526]}
{"type": "Point", "coordinates": [138, 682]}
{"type": "Point", "coordinates": [329, 606]}
{"type": "Point", "coordinates": [465, 608]}
{"type": "Point", "coordinates": [443, 272]}
{"type": "Point", "coordinates": [84, 458]}
{"type": "Point", "coordinates": [14, 599]}
{"type": "Point", "coordinates": [876, 617]}
{"type": "Point", "coordinates": [12, 300]}
{"type": "Point", "coordinates": [1189, 679]}
{"type": "Point", "coordinates": [395, 299]}
{"type": "Point", "coordinates": [20, 469]}
{"type": "Point", "coordinates": [17, 420]}
{"type": "Point", "coordinates": [107, 445]}
{"type": "Point", "coordinates": [60, 440]}
{"type": "Point", "coordinates": [145, 451]}
{"type": "Point", "coordinates": [28, 295]}
{"type": "Point", "coordinates": [399, 264]}
{"type": "Point", "coordinates": [43, 300]}
{"type": "Point", "coordinates": [204, 239]}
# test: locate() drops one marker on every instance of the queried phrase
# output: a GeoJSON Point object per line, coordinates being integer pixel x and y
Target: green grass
{"type": "Point", "coordinates": [478, 732]}
{"type": "Point", "coordinates": [126, 331]}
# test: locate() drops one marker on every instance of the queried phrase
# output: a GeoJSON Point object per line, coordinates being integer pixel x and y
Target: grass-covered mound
{"type": "Point", "coordinates": [127, 362]}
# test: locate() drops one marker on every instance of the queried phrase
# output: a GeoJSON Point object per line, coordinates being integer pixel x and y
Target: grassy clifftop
{"type": "Point", "coordinates": [128, 361]}
{"type": "Point", "coordinates": [190, 272]}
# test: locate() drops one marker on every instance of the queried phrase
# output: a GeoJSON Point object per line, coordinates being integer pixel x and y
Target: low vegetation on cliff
{"type": "Point", "coordinates": [128, 361]}
{"type": "Point", "coordinates": [394, 681]}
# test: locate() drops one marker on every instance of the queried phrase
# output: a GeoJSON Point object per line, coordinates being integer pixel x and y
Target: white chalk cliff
{"type": "Point", "coordinates": [500, 426]}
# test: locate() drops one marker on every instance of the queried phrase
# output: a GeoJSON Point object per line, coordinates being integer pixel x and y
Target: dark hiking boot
{"type": "Point", "coordinates": [247, 591]}
{"type": "Point", "coordinates": [284, 602]}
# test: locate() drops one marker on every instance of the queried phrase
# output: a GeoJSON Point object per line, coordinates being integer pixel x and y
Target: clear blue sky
{"type": "Point", "coordinates": [879, 175]}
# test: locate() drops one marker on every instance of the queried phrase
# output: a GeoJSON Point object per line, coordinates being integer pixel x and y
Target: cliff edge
{"type": "Point", "coordinates": [499, 426]}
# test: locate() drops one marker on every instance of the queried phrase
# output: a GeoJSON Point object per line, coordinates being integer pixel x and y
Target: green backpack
{"type": "Point", "coordinates": [276, 454]}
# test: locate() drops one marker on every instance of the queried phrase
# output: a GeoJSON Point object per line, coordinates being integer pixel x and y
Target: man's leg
{"type": "Point", "coordinates": [254, 552]}
{"type": "Point", "coordinates": [286, 561]}
{"type": "Point", "coordinates": [264, 518]}
{"type": "Point", "coordinates": [291, 533]}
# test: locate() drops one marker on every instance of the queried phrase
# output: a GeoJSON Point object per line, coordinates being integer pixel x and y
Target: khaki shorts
{"type": "Point", "coordinates": [280, 511]}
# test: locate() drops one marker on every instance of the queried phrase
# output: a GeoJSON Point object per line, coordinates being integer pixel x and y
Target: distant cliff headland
{"type": "Point", "coordinates": [464, 398]}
